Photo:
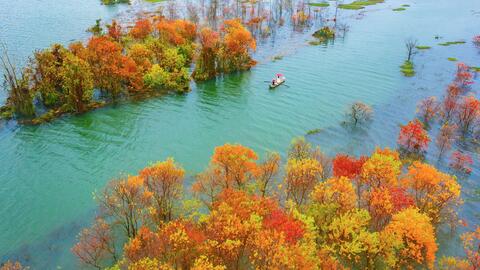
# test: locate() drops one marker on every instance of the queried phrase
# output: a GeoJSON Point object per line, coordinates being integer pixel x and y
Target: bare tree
{"type": "Point", "coordinates": [411, 45]}
{"type": "Point", "coordinates": [17, 84]}
{"type": "Point", "coordinates": [359, 112]}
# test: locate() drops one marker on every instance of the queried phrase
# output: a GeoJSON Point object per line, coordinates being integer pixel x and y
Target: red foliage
{"type": "Point", "coordinates": [476, 40]}
{"type": "Point", "coordinates": [177, 32]}
{"type": "Point", "coordinates": [413, 137]}
{"type": "Point", "coordinates": [400, 199]}
{"type": "Point", "coordinates": [463, 77]}
{"type": "Point", "coordinates": [468, 112]}
{"type": "Point", "coordinates": [461, 162]}
{"type": "Point", "coordinates": [278, 220]}
{"type": "Point", "coordinates": [428, 108]}
{"type": "Point", "coordinates": [114, 30]}
{"type": "Point", "coordinates": [142, 29]}
{"type": "Point", "coordinates": [350, 167]}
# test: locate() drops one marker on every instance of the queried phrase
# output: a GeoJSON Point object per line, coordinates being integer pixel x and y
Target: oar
{"type": "Point", "coordinates": [286, 85]}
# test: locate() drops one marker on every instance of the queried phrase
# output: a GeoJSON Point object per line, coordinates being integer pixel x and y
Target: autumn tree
{"type": "Point", "coordinates": [208, 186]}
{"type": "Point", "coordinates": [95, 245]}
{"type": "Point", "coordinates": [359, 112]}
{"type": "Point", "coordinates": [350, 167]}
{"type": "Point", "coordinates": [461, 162]}
{"type": "Point", "coordinates": [141, 29]}
{"type": "Point", "coordinates": [124, 202]}
{"type": "Point", "coordinates": [206, 64]}
{"type": "Point", "coordinates": [384, 202]}
{"type": "Point", "coordinates": [381, 169]}
{"type": "Point", "coordinates": [266, 171]}
{"type": "Point", "coordinates": [435, 193]}
{"type": "Point", "coordinates": [446, 137]}
{"type": "Point", "coordinates": [165, 182]}
{"type": "Point", "coordinates": [413, 138]}
{"type": "Point", "coordinates": [338, 191]}
{"type": "Point", "coordinates": [300, 178]}
{"type": "Point", "coordinates": [413, 239]}
{"type": "Point", "coordinates": [237, 42]}
{"type": "Point", "coordinates": [411, 46]}
{"type": "Point", "coordinates": [471, 245]}
{"type": "Point", "coordinates": [463, 78]}
{"type": "Point", "coordinates": [468, 112]}
{"type": "Point", "coordinates": [77, 83]}
{"type": "Point", "coordinates": [428, 109]}
{"type": "Point", "coordinates": [114, 30]}
{"type": "Point", "coordinates": [235, 163]}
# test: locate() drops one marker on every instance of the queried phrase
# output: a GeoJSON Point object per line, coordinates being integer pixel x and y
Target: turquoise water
{"type": "Point", "coordinates": [48, 172]}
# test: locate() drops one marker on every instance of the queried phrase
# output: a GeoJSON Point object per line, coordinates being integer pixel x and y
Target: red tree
{"type": "Point", "coordinates": [142, 29]}
{"type": "Point", "coordinates": [344, 165]}
{"type": "Point", "coordinates": [413, 137]}
{"type": "Point", "coordinates": [461, 162]}
{"type": "Point", "coordinates": [463, 77]}
{"type": "Point", "coordinates": [468, 112]}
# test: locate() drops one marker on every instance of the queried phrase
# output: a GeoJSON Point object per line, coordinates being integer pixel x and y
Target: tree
{"type": "Point", "coordinates": [236, 164]}
{"type": "Point", "coordinates": [141, 29]}
{"type": "Point", "coordinates": [207, 186]}
{"type": "Point", "coordinates": [300, 178]}
{"type": "Point", "coordinates": [446, 137]}
{"type": "Point", "coordinates": [237, 42]}
{"type": "Point", "coordinates": [359, 112]}
{"type": "Point", "coordinates": [124, 202]}
{"type": "Point", "coordinates": [471, 244]}
{"type": "Point", "coordinates": [114, 30]}
{"type": "Point", "coordinates": [17, 85]}
{"type": "Point", "coordinates": [266, 172]}
{"type": "Point", "coordinates": [381, 169]}
{"type": "Point", "coordinates": [461, 162]}
{"type": "Point", "coordinates": [435, 193]}
{"type": "Point", "coordinates": [338, 191]}
{"type": "Point", "coordinates": [300, 149]}
{"type": "Point", "coordinates": [77, 83]}
{"type": "Point", "coordinates": [95, 245]}
{"type": "Point", "coordinates": [468, 112]}
{"type": "Point", "coordinates": [206, 64]}
{"type": "Point", "coordinates": [428, 109]}
{"type": "Point", "coordinates": [414, 236]}
{"type": "Point", "coordinates": [413, 138]}
{"type": "Point", "coordinates": [384, 202]}
{"type": "Point", "coordinates": [13, 266]}
{"type": "Point", "coordinates": [165, 181]}
{"type": "Point", "coordinates": [463, 78]}
{"type": "Point", "coordinates": [411, 45]}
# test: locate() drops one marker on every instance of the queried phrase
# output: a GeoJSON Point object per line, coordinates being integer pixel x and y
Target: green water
{"type": "Point", "coordinates": [48, 173]}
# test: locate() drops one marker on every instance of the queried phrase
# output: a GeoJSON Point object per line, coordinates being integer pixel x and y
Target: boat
{"type": "Point", "coordinates": [279, 80]}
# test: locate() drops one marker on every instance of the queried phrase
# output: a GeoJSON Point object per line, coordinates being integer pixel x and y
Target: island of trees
{"type": "Point", "coordinates": [153, 55]}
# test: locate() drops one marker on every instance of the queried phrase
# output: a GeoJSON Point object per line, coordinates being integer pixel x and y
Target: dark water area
{"type": "Point", "coordinates": [49, 173]}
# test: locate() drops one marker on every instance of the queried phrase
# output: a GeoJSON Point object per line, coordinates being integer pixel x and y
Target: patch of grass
{"type": "Point", "coordinates": [315, 42]}
{"type": "Point", "coordinates": [155, 1]}
{"type": "Point", "coordinates": [399, 9]}
{"type": "Point", "coordinates": [314, 131]}
{"type": "Point", "coordinates": [453, 59]}
{"type": "Point", "coordinates": [423, 47]}
{"type": "Point", "coordinates": [360, 4]}
{"type": "Point", "coordinates": [322, 4]}
{"type": "Point", "coordinates": [113, 2]}
{"type": "Point", "coordinates": [475, 69]}
{"type": "Point", "coordinates": [408, 69]}
{"type": "Point", "coordinates": [277, 58]}
{"type": "Point", "coordinates": [324, 33]}
{"type": "Point", "coordinates": [405, 5]}
{"type": "Point", "coordinates": [452, 43]}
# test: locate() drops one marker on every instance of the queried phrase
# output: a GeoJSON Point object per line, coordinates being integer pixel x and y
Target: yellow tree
{"type": "Point", "coordinates": [165, 181]}
{"type": "Point", "coordinates": [300, 178]}
{"type": "Point", "coordinates": [381, 169]}
{"type": "Point", "coordinates": [338, 191]}
{"type": "Point", "coordinates": [413, 241]}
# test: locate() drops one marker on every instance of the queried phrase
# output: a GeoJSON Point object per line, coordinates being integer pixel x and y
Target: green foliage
{"type": "Point", "coordinates": [113, 2]}
{"type": "Point", "coordinates": [97, 29]}
{"type": "Point", "coordinates": [314, 131]}
{"type": "Point", "coordinates": [421, 47]}
{"type": "Point", "coordinates": [77, 83]}
{"type": "Point", "coordinates": [360, 4]}
{"type": "Point", "coordinates": [325, 33]}
{"type": "Point", "coordinates": [449, 43]}
{"type": "Point", "coordinates": [453, 59]}
{"type": "Point", "coordinates": [408, 69]}
{"type": "Point", "coordinates": [321, 4]}
{"type": "Point", "coordinates": [399, 9]}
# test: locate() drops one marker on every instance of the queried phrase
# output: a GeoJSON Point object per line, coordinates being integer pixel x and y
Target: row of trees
{"type": "Point", "coordinates": [155, 54]}
{"type": "Point", "coordinates": [376, 211]}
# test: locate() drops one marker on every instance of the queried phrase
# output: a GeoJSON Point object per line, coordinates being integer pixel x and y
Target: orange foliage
{"type": "Point", "coordinates": [414, 236]}
{"type": "Point", "coordinates": [238, 39]}
{"type": "Point", "coordinates": [344, 165]}
{"type": "Point", "coordinates": [235, 163]}
{"type": "Point", "coordinates": [114, 30]}
{"type": "Point", "coordinates": [177, 32]}
{"type": "Point", "coordinates": [165, 181]}
{"type": "Point", "coordinates": [435, 193]}
{"type": "Point", "coordinates": [301, 177]}
{"type": "Point", "coordinates": [339, 191]}
{"type": "Point", "coordinates": [381, 169]}
{"type": "Point", "coordinates": [142, 29]}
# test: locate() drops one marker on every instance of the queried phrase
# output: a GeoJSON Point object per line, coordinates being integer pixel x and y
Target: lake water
{"type": "Point", "coordinates": [48, 173]}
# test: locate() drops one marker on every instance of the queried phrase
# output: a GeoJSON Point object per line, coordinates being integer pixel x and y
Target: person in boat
{"type": "Point", "coordinates": [274, 82]}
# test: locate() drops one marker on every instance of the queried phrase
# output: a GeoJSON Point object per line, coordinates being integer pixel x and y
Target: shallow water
{"type": "Point", "coordinates": [49, 172]}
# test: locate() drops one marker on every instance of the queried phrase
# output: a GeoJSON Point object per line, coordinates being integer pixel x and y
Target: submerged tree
{"type": "Point", "coordinates": [359, 112]}
{"type": "Point", "coordinates": [411, 45]}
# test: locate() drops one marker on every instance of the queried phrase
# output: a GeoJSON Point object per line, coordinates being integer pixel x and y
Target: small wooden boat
{"type": "Point", "coordinates": [277, 81]}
